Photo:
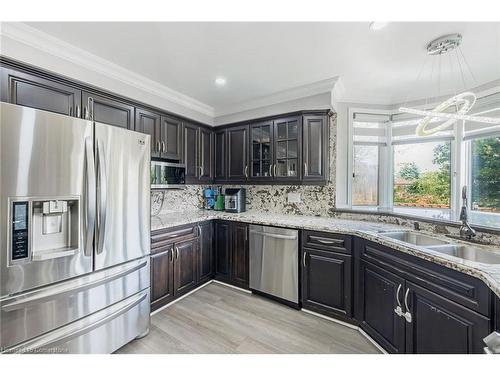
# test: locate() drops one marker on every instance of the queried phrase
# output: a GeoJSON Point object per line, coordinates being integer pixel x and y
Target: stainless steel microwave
{"type": "Point", "coordinates": [167, 175]}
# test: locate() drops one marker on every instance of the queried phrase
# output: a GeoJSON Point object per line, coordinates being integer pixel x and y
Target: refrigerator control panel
{"type": "Point", "coordinates": [20, 230]}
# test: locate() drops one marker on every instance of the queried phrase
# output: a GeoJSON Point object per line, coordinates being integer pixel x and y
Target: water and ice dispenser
{"type": "Point", "coordinates": [44, 229]}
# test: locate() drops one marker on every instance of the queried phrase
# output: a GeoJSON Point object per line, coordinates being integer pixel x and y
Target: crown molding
{"type": "Point", "coordinates": [298, 92]}
{"type": "Point", "coordinates": [53, 46]}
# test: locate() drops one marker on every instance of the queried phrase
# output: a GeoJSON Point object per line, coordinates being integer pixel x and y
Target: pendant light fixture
{"type": "Point", "coordinates": [462, 102]}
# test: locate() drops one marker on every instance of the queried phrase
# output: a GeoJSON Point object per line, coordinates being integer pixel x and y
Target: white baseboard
{"type": "Point", "coordinates": [182, 297]}
{"type": "Point", "coordinates": [348, 325]}
{"type": "Point", "coordinates": [232, 286]}
{"type": "Point", "coordinates": [368, 337]}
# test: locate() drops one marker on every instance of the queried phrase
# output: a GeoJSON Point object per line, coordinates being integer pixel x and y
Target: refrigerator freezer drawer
{"type": "Point", "coordinates": [31, 314]}
{"type": "Point", "coordinates": [102, 332]}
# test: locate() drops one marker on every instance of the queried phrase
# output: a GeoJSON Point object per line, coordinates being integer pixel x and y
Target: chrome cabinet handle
{"type": "Point", "coordinates": [304, 259]}
{"type": "Point", "coordinates": [158, 146]}
{"type": "Point", "coordinates": [270, 170]}
{"type": "Point", "coordinates": [77, 111]}
{"type": "Point", "coordinates": [162, 146]}
{"type": "Point", "coordinates": [176, 253]}
{"type": "Point", "coordinates": [407, 314]}
{"type": "Point", "coordinates": [171, 255]}
{"type": "Point", "coordinates": [333, 241]}
{"type": "Point", "coordinates": [398, 310]}
{"type": "Point", "coordinates": [102, 187]}
{"type": "Point", "coordinates": [305, 169]}
{"type": "Point", "coordinates": [246, 171]}
{"type": "Point", "coordinates": [90, 196]}
{"type": "Point", "coordinates": [274, 168]}
{"type": "Point", "coordinates": [199, 230]}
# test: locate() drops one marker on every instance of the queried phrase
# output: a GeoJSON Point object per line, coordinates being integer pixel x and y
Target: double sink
{"type": "Point", "coordinates": [466, 252]}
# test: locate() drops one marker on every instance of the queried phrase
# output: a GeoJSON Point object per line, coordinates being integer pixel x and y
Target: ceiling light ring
{"type": "Point", "coordinates": [464, 102]}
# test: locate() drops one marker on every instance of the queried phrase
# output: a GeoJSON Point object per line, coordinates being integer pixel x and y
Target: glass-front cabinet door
{"type": "Point", "coordinates": [287, 134]}
{"type": "Point", "coordinates": [261, 152]}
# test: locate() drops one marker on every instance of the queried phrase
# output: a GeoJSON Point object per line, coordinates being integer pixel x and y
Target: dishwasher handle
{"type": "Point", "coordinates": [275, 235]}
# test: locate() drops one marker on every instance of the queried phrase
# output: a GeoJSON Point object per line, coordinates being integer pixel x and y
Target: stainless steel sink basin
{"type": "Point", "coordinates": [414, 238]}
{"type": "Point", "coordinates": [468, 253]}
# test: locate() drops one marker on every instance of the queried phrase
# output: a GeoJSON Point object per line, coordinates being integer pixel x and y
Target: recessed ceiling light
{"type": "Point", "coordinates": [377, 25]}
{"type": "Point", "coordinates": [220, 81]}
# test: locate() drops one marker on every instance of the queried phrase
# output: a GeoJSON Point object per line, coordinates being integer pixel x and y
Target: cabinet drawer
{"type": "Point", "coordinates": [162, 237]}
{"type": "Point", "coordinates": [339, 243]}
{"type": "Point", "coordinates": [454, 285]}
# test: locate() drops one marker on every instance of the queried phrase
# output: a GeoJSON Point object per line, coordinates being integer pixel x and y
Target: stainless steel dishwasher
{"type": "Point", "coordinates": [274, 257]}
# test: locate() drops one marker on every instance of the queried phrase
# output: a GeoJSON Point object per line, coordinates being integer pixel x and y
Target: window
{"type": "Point", "coordinates": [392, 169]}
{"type": "Point", "coordinates": [365, 175]}
{"type": "Point", "coordinates": [421, 175]}
{"type": "Point", "coordinates": [485, 175]}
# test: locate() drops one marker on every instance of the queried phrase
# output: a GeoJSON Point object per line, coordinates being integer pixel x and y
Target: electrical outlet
{"type": "Point", "coordinates": [294, 198]}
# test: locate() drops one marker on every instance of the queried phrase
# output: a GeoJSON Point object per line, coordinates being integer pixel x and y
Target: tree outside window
{"type": "Point", "coordinates": [423, 182]}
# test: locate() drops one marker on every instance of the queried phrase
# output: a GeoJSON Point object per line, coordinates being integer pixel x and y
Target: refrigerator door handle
{"type": "Point", "coordinates": [90, 196]}
{"type": "Point", "coordinates": [102, 188]}
{"type": "Point", "coordinates": [70, 288]}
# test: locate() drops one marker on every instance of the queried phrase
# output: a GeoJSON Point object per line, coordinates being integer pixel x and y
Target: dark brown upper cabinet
{"type": "Point", "coordinates": [237, 154]}
{"type": "Point", "coordinates": [170, 142]}
{"type": "Point", "coordinates": [149, 123]}
{"type": "Point", "coordinates": [220, 162]}
{"type": "Point", "coordinates": [37, 92]}
{"type": "Point", "coordinates": [107, 110]}
{"type": "Point", "coordinates": [315, 148]}
{"type": "Point", "coordinates": [261, 151]}
{"type": "Point", "coordinates": [165, 132]}
{"type": "Point", "coordinates": [198, 154]}
{"type": "Point", "coordinates": [205, 155]}
{"type": "Point", "coordinates": [288, 150]}
{"type": "Point", "coordinates": [190, 158]}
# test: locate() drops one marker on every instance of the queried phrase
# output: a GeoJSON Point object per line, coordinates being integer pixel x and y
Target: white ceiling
{"type": "Point", "coordinates": [259, 59]}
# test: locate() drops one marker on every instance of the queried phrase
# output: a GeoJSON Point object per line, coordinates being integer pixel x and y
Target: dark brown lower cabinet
{"type": "Point", "coordinates": [435, 324]}
{"type": "Point", "coordinates": [380, 289]}
{"type": "Point", "coordinates": [240, 255]}
{"type": "Point", "coordinates": [185, 266]}
{"type": "Point", "coordinates": [162, 277]}
{"type": "Point", "coordinates": [440, 326]}
{"type": "Point", "coordinates": [223, 250]}
{"type": "Point", "coordinates": [205, 252]}
{"type": "Point", "coordinates": [182, 259]}
{"type": "Point", "coordinates": [232, 256]}
{"type": "Point", "coordinates": [327, 282]}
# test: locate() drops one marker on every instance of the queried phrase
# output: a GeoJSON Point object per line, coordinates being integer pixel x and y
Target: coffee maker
{"type": "Point", "coordinates": [235, 200]}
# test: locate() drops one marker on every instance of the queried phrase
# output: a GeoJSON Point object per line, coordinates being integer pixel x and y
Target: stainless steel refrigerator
{"type": "Point", "coordinates": [74, 233]}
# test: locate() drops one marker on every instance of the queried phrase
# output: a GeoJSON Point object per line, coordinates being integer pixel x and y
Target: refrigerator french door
{"type": "Point", "coordinates": [74, 233]}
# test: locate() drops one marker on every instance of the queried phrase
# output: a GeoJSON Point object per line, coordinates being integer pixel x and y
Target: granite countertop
{"type": "Point", "coordinates": [489, 273]}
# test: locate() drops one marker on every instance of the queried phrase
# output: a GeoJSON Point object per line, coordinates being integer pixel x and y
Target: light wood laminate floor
{"type": "Point", "coordinates": [220, 319]}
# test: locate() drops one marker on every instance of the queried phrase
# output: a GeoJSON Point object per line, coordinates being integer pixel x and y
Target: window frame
{"type": "Point", "coordinates": [386, 165]}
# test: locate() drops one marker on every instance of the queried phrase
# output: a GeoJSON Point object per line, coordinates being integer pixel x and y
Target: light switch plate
{"type": "Point", "coordinates": [294, 198]}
